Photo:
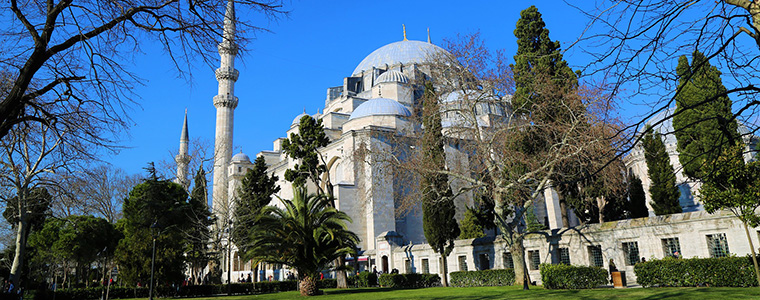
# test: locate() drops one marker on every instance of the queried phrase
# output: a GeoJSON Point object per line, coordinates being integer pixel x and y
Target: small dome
{"type": "Point", "coordinates": [665, 128]}
{"type": "Point", "coordinates": [392, 76]}
{"type": "Point", "coordinates": [403, 52]}
{"type": "Point", "coordinates": [380, 106]}
{"type": "Point", "coordinates": [241, 157]}
{"type": "Point", "coordinates": [297, 120]}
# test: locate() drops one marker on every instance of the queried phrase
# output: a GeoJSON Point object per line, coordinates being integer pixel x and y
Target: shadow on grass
{"type": "Point", "coordinates": [350, 291]}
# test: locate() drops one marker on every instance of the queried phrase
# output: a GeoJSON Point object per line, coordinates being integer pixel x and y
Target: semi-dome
{"type": "Point", "coordinates": [297, 119]}
{"type": "Point", "coordinates": [665, 128]}
{"type": "Point", "coordinates": [392, 76]}
{"type": "Point", "coordinates": [380, 106]}
{"type": "Point", "coordinates": [404, 52]}
{"type": "Point", "coordinates": [241, 157]}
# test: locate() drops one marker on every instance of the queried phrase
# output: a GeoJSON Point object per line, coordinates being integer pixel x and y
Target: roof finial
{"type": "Point", "coordinates": [404, 26]}
{"type": "Point", "coordinates": [428, 35]}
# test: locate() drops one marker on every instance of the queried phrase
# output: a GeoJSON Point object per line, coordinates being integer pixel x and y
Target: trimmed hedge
{"type": "Point", "coordinates": [572, 277]}
{"type": "Point", "coordinates": [498, 277]}
{"type": "Point", "coordinates": [264, 287]}
{"type": "Point", "coordinates": [408, 281]}
{"type": "Point", "coordinates": [714, 272]}
{"type": "Point", "coordinates": [365, 279]}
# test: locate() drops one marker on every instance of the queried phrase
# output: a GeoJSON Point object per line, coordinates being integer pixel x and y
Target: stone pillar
{"type": "Point", "coordinates": [553, 209]}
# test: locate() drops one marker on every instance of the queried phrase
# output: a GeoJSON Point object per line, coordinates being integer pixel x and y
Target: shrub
{"type": "Point", "coordinates": [409, 280]}
{"type": "Point", "coordinates": [572, 277]}
{"type": "Point", "coordinates": [499, 277]}
{"type": "Point", "coordinates": [715, 272]}
{"type": "Point", "coordinates": [366, 279]}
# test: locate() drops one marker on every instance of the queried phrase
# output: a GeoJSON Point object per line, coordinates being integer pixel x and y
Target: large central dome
{"type": "Point", "coordinates": [403, 52]}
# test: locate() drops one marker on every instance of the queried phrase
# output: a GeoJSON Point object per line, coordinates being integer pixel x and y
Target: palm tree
{"type": "Point", "coordinates": [306, 234]}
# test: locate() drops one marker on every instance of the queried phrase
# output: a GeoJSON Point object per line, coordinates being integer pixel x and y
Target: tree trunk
{"type": "Point", "coordinates": [340, 276]}
{"type": "Point", "coordinates": [600, 202]}
{"type": "Point", "coordinates": [18, 259]}
{"type": "Point", "coordinates": [308, 286]}
{"type": "Point", "coordinates": [522, 277]}
{"type": "Point", "coordinates": [754, 255]}
{"type": "Point", "coordinates": [445, 273]}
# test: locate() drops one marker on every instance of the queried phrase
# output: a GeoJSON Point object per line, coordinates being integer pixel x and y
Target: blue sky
{"type": "Point", "coordinates": [287, 70]}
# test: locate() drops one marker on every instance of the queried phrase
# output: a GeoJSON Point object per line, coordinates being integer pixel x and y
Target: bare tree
{"type": "Point", "coordinates": [70, 57]}
{"type": "Point", "coordinates": [32, 152]}
{"type": "Point", "coordinates": [636, 44]}
{"type": "Point", "coordinates": [99, 190]}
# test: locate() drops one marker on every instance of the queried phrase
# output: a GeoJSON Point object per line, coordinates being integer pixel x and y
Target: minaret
{"type": "Point", "coordinates": [225, 103]}
{"type": "Point", "coordinates": [183, 158]}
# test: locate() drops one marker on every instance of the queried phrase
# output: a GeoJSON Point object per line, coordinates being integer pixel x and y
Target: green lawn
{"type": "Point", "coordinates": [516, 293]}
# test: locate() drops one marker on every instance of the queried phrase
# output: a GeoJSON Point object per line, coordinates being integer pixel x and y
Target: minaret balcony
{"type": "Point", "coordinates": [225, 101]}
{"type": "Point", "coordinates": [228, 47]}
{"type": "Point", "coordinates": [227, 73]}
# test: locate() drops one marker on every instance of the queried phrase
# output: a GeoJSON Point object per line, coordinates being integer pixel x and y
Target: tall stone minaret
{"type": "Point", "coordinates": [183, 158]}
{"type": "Point", "coordinates": [225, 103]}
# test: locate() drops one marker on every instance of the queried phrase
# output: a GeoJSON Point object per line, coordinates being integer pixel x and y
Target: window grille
{"type": "Point", "coordinates": [718, 245]}
{"type": "Point", "coordinates": [508, 263]}
{"type": "Point", "coordinates": [535, 259]}
{"type": "Point", "coordinates": [462, 263]}
{"type": "Point", "coordinates": [564, 256]}
{"type": "Point", "coordinates": [671, 247]}
{"type": "Point", "coordinates": [631, 251]}
{"type": "Point", "coordinates": [595, 256]}
{"type": "Point", "coordinates": [425, 266]}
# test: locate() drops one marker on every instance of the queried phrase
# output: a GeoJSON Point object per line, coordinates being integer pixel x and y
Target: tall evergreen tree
{"type": "Point", "coordinates": [155, 209]}
{"type": "Point", "coordinates": [538, 59]}
{"type": "Point", "coordinates": [663, 189]}
{"type": "Point", "coordinates": [637, 206]}
{"type": "Point", "coordinates": [201, 219]}
{"type": "Point", "coordinates": [438, 208]}
{"type": "Point", "coordinates": [703, 121]}
{"type": "Point", "coordinates": [255, 192]}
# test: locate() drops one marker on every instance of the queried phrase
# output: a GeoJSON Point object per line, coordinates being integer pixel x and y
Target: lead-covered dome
{"type": "Point", "coordinates": [392, 76]}
{"type": "Point", "coordinates": [379, 107]}
{"type": "Point", "coordinates": [241, 157]}
{"type": "Point", "coordinates": [297, 119]}
{"type": "Point", "coordinates": [403, 52]}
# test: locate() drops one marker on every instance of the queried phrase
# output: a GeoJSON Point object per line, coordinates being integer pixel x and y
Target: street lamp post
{"type": "Point", "coordinates": [152, 259]}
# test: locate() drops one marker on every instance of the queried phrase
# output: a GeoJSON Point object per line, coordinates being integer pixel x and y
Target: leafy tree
{"type": "Point", "coordinates": [201, 219]}
{"type": "Point", "coordinates": [636, 197]}
{"type": "Point", "coordinates": [438, 208]}
{"type": "Point", "coordinates": [306, 234]}
{"type": "Point", "coordinates": [663, 189]}
{"type": "Point", "coordinates": [303, 146]}
{"type": "Point", "coordinates": [703, 121]}
{"type": "Point", "coordinates": [255, 193]}
{"type": "Point", "coordinates": [37, 208]}
{"type": "Point", "coordinates": [469, 227]}
{"type": "Point", "coordinates": [731, 184]}
{"type": "Point", "coordinates": [76, 241]}
{"type": "Point", "coordinates": [156, 209]}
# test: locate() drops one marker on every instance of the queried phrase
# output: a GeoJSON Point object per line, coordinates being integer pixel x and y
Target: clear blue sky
{"type": "Point", "coordinates": [289, 69]}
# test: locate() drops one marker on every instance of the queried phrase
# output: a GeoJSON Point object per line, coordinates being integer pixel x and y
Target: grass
{"type": "Point", "coordinates": [513, 292]}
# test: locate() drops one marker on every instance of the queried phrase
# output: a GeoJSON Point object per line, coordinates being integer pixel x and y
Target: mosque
{"type": "Point", "coordinates": [379, 97]}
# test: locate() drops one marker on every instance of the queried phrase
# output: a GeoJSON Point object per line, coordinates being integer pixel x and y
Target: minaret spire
{"type": "Point", "coordinates": [428, 35]}
{"type": "Point", "coordinates": [183, 157]}
{"type": "Point", "coordinates": [225, 103]}
{"type": "Point", "coordinates": [404, 27]}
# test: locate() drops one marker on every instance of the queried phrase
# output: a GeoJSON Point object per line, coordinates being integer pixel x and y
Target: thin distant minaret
{"type": "Point", "coordinates": [225, 103]}
{"type": "Point", "coordinates": [183, 157]}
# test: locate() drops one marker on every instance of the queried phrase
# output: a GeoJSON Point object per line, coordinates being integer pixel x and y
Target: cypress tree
{"type": "Point", "coordinates": [255, 192]}
{"type": "Point", "coordinates": [201, 219]}
{"type": "Point", "coordinates": [703, 121]}
{"type": "Point", "coordinates": [637, 207]}
{"type": "Point", "coordinates": [538, 59]}
{"type": "Point", "coordinates": [663, 189]}
{"type": "Point", "coordinates": [438, 208]}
